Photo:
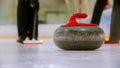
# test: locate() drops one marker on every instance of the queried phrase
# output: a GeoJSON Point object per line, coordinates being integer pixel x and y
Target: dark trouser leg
{"type": "Point", "coordinates": [21, 23]}
{"type": "Point", "coordinates": [31, 25]}
{"type": "Point", "coordinates": [99, 7]}
{"type": "Point", "coordinates": [115, 22]}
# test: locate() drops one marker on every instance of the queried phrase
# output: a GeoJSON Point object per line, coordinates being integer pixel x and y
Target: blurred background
{"type": "Point", "coordinates": [52, 13]}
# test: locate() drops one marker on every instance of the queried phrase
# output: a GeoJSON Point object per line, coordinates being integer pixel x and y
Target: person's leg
{"type": "Point", "coordinates": [99, 7]}
{"type": "Point", "coordinates": [33, 26]}
{"type": "Point", "coordinates": [115, 22]}
{"type": "Point", "coordinates": [36, 27]}
{"type": "Point", "coordinates": [33, 13]}
{"type": "Point", "coordinates": [30, 23]}
{"type": "Point", "coordinates": [21, 21]}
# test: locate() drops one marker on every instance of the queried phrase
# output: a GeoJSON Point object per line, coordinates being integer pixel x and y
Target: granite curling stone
{"type": "Point", "coordinates": [79, 36]}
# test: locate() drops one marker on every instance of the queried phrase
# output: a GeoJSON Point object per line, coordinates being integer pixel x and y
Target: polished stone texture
{"type": "Point", "coordinates": [79, 37]}
{"type": "Point", "coordinates": [47, 55]}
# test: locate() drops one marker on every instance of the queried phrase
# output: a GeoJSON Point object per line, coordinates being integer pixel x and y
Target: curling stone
{"type": "Point", "coordinates": [79, 36]}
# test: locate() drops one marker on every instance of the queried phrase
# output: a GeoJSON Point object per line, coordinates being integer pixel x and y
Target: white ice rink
{"type": "Point", "coordinates": [47, 55]}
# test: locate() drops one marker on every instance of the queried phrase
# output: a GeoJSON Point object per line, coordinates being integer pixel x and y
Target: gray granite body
{"type": "Point", "coordinates": [79, 37]}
